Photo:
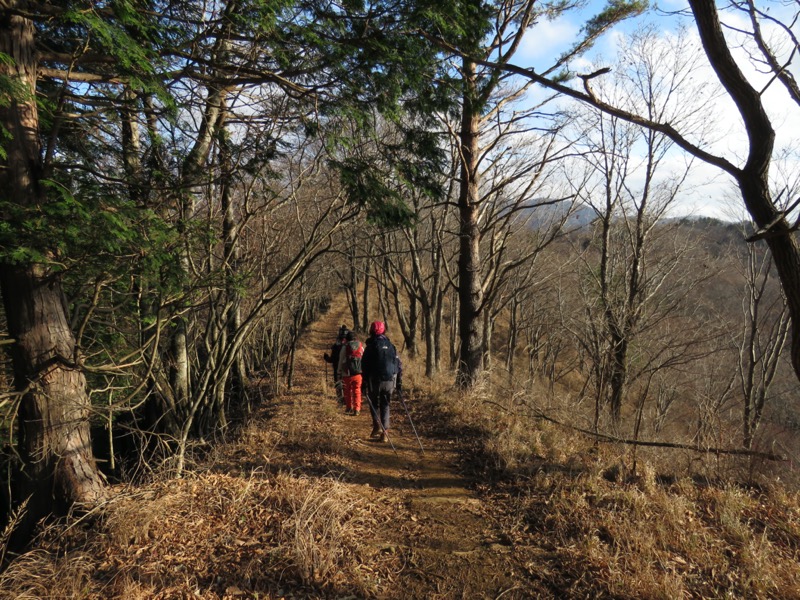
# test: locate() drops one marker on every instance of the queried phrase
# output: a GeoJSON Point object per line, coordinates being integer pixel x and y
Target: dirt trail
{"type": "Point", "coordinates": [441, 531]}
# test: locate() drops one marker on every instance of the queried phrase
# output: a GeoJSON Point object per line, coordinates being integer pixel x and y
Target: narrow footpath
{"type": "Point", "coordinates": [297, 503]}
{"type": "Point", "coordinates": [426, 516]}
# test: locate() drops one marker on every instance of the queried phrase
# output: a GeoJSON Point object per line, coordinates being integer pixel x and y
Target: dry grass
{"type": "Point", "coordinates": [208, 536]}
{"type": "Point", "coordinates": [40, 574]}
{"type": "Point", "coordinates": [577, 522]}
{"type": "Point", "coordinates": [606, 532]}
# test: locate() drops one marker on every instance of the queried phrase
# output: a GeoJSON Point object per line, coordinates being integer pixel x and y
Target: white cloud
{"type": "Point", "coordinates": [709, 191]}
{"type": "Point", "coordinates": [545, 42]}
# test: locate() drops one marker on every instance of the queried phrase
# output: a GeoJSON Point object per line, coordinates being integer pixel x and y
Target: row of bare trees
{"type": "Point", "coordinates": [617, 295]}
{"type": "Point", "coordinates": [172, 174]}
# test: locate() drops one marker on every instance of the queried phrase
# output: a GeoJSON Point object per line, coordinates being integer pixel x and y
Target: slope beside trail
{"type": "Point", "coordinates": [299, 503]}
{"type": "Point", "coordinates": [439, 531]}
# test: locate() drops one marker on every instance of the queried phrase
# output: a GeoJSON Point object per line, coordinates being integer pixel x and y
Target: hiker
{"type": "Point", "coordinates": [350, 365]}
{"type": "Point", "coordinates": [380, 365]}
{"type": "Point", "coordinates": [333, 359]}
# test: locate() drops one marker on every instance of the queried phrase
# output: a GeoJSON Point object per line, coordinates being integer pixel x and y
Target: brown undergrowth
{"type": "Point", "coordinates": [210, 536]}
{"type": "Point", "coordinates": [302, 504]}
{"type": "Point", "coordinates": [584, 525]}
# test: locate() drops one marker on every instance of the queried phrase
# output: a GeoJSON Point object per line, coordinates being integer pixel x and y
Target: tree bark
{"type": "Point", "coordinates": [470, 293]}
{"type": "Point", "coordinates": [54, 433]}
{"type": "Point", "coordinates": [352, 291]}
{"type": "Point", "coordinates": [366, 305]}
{"type": "Point", "coordinates": [237, 378]}
{"type": "Point", "coordinates": [513, 333]}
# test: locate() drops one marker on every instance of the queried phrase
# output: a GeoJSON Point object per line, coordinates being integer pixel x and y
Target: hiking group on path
{"type": "Point", "coordinates": [371, 370]}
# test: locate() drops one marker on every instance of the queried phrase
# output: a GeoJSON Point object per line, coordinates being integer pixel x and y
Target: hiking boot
{"type": "Point", "coordinates": [376, 431]}
{"type": "Point", "coordinates": [384, 438]}
{"type": "Point", "coordinates": [348, 411]}
{"type": "Point", "coordinates": [356, 413]}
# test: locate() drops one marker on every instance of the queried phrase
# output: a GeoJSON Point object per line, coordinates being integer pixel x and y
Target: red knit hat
{"type": "Point", "coordinates": [377, 328]}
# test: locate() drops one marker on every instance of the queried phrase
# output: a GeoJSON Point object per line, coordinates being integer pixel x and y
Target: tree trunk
{"type": "Point", "coordinates": [753, 178]}
{"type": "Point", "coordinates": [352, 292]}
{"type": "Point", "coordinates": [618, 365]}
{"type": "Point", "coordinates": [237, 380]}
{"type": "Point", "coordinates": [437, 296]}
{"type": "Point", "coordinates": [437, 331]}
{"type": "Point", "coordinates": [511, 348]}
{"type": "Point", "coordinates": [54, 434]}
{"type": "Point", "coordinates": [785, 253]}
{"type": "Point", "coordinates": [470, 293]}
{"type": "Point", "coordinates": [454, 320]}
{"type": "Point", "coordinates": [487, 339]}
{"type": "Point", "coordinates": [413, 320]}
{"type": "Point", "coordinates": [366, 305]}
{"type": "Point", "coordinates": [430, 347]}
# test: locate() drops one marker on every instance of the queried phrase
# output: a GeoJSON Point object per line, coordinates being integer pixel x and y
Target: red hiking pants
{"type": "Point", "coordinates": [352, 392]}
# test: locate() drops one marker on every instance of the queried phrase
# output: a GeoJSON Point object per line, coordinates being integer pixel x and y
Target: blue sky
{"type": "Point", "coordinates": [710, 192]}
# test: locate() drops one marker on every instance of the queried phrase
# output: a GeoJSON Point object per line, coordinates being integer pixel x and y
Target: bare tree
{"type": "Point", "coordinates": [630, 196]}
{"type": "Point", "coordinates": [481, 82]}
{"type": "Point", "coordinates": [763, 335]}
{"type": "Point", "coordinates": [771, 214]}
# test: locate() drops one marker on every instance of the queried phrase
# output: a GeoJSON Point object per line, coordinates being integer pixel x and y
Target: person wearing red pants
{"type": "Point", "coordinates": [350, 367]}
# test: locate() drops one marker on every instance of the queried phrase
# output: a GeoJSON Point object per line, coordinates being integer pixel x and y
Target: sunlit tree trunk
{"type": "Point", "coordinates": [230, 236]}
{"type": "Point", "coordinates": [470, 293]}
{"type": "Point", "coordinates": [54, 434]}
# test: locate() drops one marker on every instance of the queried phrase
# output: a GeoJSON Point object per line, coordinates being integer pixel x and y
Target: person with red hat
{"type": "Point", "coordinates": [380, 366]}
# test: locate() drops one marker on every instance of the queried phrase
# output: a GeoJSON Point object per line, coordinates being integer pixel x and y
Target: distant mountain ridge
{"type": "Point", "coordinates": [544, 215]}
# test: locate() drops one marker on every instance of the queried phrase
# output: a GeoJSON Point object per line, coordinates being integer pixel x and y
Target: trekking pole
{"type": "Point", "coordinates": [408, 414]}
{"type": "Point", "coordinates": [378, 421]}
{"type": "Point", "coordinates": [325, 381]}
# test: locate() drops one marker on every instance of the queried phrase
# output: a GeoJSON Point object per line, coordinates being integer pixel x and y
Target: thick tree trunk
{"type": "Point", "coordinates": [753, 179]}
{"type": "Point", "coordinates": [785, 253]}
{"type": "Point", "coordinates": [54, 436]}
{"type": "Point", "coordinates": [178, 360]}
{"type": "Point", "coordinates": [470, 292]}
{"type": "Point", "coordinates": [237, 379]}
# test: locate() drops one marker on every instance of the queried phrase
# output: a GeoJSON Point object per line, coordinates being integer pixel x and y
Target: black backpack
{"type": "Point", "coordinates": [385, 361]}
{"type": "Point", "coordinates": [335, 350]}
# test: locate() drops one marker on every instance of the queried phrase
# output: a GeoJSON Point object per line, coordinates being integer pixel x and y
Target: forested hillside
{"type": "Point", "coordinates": [196, 195]}
{"type": "Point", "coordinates": [472, 496]}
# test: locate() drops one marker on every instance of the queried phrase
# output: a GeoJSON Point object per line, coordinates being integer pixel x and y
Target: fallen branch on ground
{"type": "Point", "coordinates": [604, 437]}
